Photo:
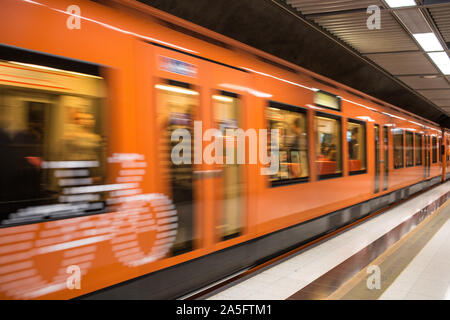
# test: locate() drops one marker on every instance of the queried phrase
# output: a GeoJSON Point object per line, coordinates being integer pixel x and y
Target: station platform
{"type": "Point", "coordinates": [401, 253]}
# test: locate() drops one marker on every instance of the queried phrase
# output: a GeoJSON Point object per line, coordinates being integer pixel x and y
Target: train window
{"type": "Point", "coordinates": [293, 143]}
{"type": "Point", "coordinates": [435, 149]}
{"type": "Point", "coordinates": [328, 146]}
{"type": "Point", "coordinates": [439, 149]}
{"type": "Point", "coordinates": [229, 219]}
{"type": "Point", "coordinates": [176, 107]}
{"type": "Point", "coordinates": [418, 149]}
{"type": "Point", "coordinates": [51, 138]}
{"type": "Point", "coordinates": [398, 149]}
{"type": "Point", "coordinates": [356, 138]}
{"type": "Point", "coordinates": [409, 150]}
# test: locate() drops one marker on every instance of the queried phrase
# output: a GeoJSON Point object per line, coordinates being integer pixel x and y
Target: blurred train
{"type": "Point", "coordinates": [91, 206]}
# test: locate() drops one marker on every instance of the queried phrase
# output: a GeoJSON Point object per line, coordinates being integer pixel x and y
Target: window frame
{"type": "Point", "coordinates": [334, 117]}
{"type": "Point", "coordinates": [421, 149]}
{"type": "Point", "coordinates": [296, 109]}
{"type": "Point", "coordinates": [364, 125]}
{"type": "Point", "coordinates": [406, 150]}
{"type": "Point", "coordinates": [402, 147]}
{"type": "Point", "coordinates": [434, 149]}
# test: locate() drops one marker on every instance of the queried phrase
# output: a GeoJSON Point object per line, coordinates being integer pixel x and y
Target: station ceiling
{"type": "Point", "coordinates": [331, 38]}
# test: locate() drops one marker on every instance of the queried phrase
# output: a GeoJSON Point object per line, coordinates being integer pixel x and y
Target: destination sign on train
{"type": "Point", "coordinates": [177, 66]}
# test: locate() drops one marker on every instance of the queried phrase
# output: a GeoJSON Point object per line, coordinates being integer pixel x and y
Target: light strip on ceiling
{"type": "Point", "coordinates": [442, 60]}
{"type": "Point", "coordinates": [428, 41]}
{"type": "Point", "coordinates": [400, 3]}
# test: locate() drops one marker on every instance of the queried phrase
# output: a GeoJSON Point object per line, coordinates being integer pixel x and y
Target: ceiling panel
{"type": "Point", "coordinates": [352, 28]}
{"type": "Point", "coordinates": [313, 6]}
{"type": "Point", "coordinates": [436, 94]}
{"type": "Point", "coordinates": [442, 102]}
{"type": "Point", "coordinates": [417, 82]}
{"type": "Point", "coordinates": [441, 16]}
{"type": "Point", "coordinates": [404, 63]}
{"type": "Point", "coordinates": [414, 20]}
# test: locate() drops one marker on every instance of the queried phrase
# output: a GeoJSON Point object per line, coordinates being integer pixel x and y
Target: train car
{"type": "Point", "coordinates": [95, 100]}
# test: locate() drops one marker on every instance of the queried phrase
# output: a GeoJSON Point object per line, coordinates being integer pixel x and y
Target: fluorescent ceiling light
{"type": "Point", "coordinates": [428, 41]}
{"type": "Point", "coordinates": [400, 3]}
{"type": "Point", "coordinates": [176, 89]}
{"type": "Point", "coordinates": [442, 60]}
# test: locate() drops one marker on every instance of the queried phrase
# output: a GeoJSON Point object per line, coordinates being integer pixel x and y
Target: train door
{"type": "Point", "coordinates": [427, 157]}
{"type": "Point", "coordinates": [227, 115]}
{"type": "Point", "coordinates": [443, 150]}
{"type": "Point", "coordinates": [377, 158]}
{"type": "Point", "coordinates": [447, 155]}
{"type": "Point", "coordinates": [386, 157]}
{"type": "Point", "coordinates": [177, 110]}
{"type": "Point", "coordinates": [176, 84]}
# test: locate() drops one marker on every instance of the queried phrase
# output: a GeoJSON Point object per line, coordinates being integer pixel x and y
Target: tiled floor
{"type": "Point", "coordinates": [428, 274]}
{"type": "Point", "coordinates": [282, 280]}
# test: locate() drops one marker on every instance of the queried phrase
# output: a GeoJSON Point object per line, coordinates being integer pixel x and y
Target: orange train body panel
{"type": "Point", "coordinates": [34, 257]}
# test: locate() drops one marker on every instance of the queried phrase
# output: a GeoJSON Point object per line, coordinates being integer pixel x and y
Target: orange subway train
{"type": "Point", "coordinates": [96, 99]}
